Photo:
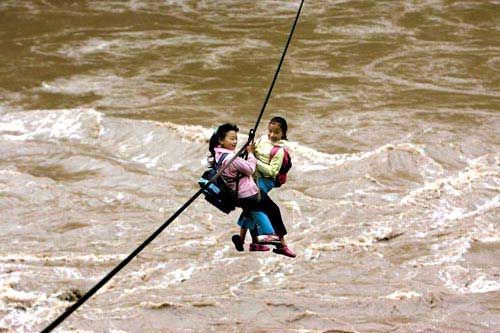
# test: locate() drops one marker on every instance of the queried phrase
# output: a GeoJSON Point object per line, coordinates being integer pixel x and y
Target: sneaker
{"type": "Point", "coordinates": [238, 244]}
{"type": "Point", "coordinates": [258, 247]}
{"type": "Point", "coordinates": [269, 238]}
{"type": "Point", "coordinates": [285, 250]}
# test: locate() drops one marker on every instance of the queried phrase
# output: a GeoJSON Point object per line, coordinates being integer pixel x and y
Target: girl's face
{"type": "Point", "coordinates": [230, 140]}
{"type": "Point", "coordinates": [275, 133]}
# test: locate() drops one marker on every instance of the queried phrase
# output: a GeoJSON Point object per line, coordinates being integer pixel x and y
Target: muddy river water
{"type": "Point", "coordinates": [392, 205]}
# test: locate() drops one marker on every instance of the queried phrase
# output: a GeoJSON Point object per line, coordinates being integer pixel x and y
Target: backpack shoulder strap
{"type": "Point", "coordinates": [274, 151]}
{"type": "Point", "coordinates": [221, 159]}
{"type": "Point", "coordinates": [286, 165]}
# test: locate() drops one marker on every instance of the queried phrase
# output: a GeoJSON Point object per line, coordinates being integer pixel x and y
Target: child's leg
{"type": "Point", "coordinates": [246, 222]}
{"type": "Point", "coordinates": [262, 222]}
{"type": "Point", "coordinates": [243, 234]}
{"type": "Point", "coordinates": [254, 233]}
{"type": "Point", "coordinates": [265, 184]}
{"type": "Point", "coordinates": [272, 211]}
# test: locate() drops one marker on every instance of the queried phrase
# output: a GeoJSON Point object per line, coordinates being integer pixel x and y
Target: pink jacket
{"type": "Point", "coordinates": [247, 186]}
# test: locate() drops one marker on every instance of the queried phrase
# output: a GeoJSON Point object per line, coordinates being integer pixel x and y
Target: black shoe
{"type": "Point", "coordinates": [238, 244]}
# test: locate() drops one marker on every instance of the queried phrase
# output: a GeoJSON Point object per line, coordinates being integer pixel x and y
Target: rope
{"type": "Point", "coordinates": [252, 132]}
{"type": "Point", "coordinates": [158, 231]}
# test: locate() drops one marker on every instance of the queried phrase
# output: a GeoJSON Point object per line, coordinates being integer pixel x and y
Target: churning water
{"type": "Point", "coordinates": [393, 203]}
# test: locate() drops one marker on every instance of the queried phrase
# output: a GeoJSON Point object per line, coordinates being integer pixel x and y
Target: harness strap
{"type": "Point", "coordinates": [227, 179]}
{"type": "Point", "coordinates": [274, 151]}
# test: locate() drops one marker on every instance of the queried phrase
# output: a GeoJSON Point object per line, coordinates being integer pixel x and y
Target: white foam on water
{"type": "Point", "coordinates": [13, 126]}
{"type": "Point", "coordinates": [206, 241]}
{"type": "Point", "coordinates": [378, 27]}
{"type": "Point", "coordinates": [147, 143]}
{"type": "Point", "coordinates": [115, 91]}
{"type": "Point", "coordinates": [167, 278]}
{"type": "Point", "coordinates": [127, 44]}
{"type": "Point", "coordinates": [486, 206]}
{"type": "Point", "coordinates": [362, 242]}
{"type": "Point", "coordinates": [402, 295]}
{"type": "Point", "coordinates": [272, 272]}
{"type": "Point", "coordinates": [117, 197]}
{"type": "Point", "coordinates": [145, 271]}
{"type": "Point", "coordinates": [75, 86]}
{"type": "Point", "coordinates": [91, 46]}
{"type": "Point", "coordinates": [179, 275]}
{"type": "Point", "coordinates": [311, 255]}
{"type": "Point", "coordinates": [174, 6]}
{"type": "Point", "coordinates": [311, 159]}
{"type": "Point", "coordinates": [379, 230]}
{"type": "Point", "coordinates": [177, 166]}
{"type": "Point", "coordinates": [68, 273]}
{"type": "Point", "coordinates": [483, 285]}
{"type": "Point", "coordinates": [417, 6]}
{"type": "Point", "coordinates": [70, 124]}
{"type": "Point", "coordinates": [220, 255]}
{"type": "Point", "coordinates": [72, 259]}
{"type": "Point", "coordinates": [487, 232]}
{"type": "Point", "coordinates": [455, 185]}
{"type": "Point", "coordinates": [190, 133]}
{"type": "Point", "coordinates": [463, 281]}
{"type": "Point", "coordinates": [86, 126]}
{"type": "Point", "coordinates": [218, 55]}
{"type": "Point", "coordinates": [149, 162]}
{"type": "Point", "coordinates": [446, 252]}
{"type": "Point", "coordinates": [25, 309]}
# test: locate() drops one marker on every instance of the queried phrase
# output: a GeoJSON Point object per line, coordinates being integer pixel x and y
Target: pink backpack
{"type": "Point", "coordinates": [285, 166]}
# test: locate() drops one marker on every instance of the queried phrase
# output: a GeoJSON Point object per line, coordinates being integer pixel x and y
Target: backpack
{"type": "Point", "coordinates": [218, 193]}
{"type": "Point", "coordinates": [285, 166]}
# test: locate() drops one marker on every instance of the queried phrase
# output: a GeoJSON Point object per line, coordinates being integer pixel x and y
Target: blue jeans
{"type": "Point", "coordinates": [266, 184]}
{"type": "Point", "coordinates": [259, 219]}
{"type": "Point", "coordinates": [256, 219]}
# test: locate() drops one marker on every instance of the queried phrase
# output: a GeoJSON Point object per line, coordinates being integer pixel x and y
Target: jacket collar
{"type": "Point", "coordinates": [221, 150]}
{"type": "Point", "coordinates": [264, 138]}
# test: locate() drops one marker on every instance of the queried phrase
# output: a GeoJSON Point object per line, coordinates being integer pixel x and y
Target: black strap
{"type": "Point", "coordinates": [221, 159]}
{"type": "Point", "coordinates": [238, 173]}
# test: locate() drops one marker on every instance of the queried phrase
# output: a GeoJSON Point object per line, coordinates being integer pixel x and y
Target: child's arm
{"type": "Point", "coordinates": [246, 167]}
{"type": "Point", "coordinates": [271, 170]}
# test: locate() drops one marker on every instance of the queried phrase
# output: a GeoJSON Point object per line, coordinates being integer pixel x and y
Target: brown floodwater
{"type": "Point", "coordinates": [392, 204]}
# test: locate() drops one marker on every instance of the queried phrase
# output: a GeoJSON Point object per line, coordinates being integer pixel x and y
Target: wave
{"type": "Point", "coordinates": [392, 172]}
{"type": "Point", "coordinates": [468, 281]}
{"type": "Point", "coordinates": [465, 194]}
{"type": "Point", "coordinates": [381, 70]}
{"type": "Point", "coordinates": [88, 137]}
{"type": "Point", "coordinates": [83, 125]}
{"type": "Point", "coordinates": [25, 310]}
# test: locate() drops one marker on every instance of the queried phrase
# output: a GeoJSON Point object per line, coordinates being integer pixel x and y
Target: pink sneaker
{"type": "Point", "coordinates": [258, 247]}
{"type": "Point", "coordinates": [285, 250]}
{"type": "Point", "coordinates": [269, 238]}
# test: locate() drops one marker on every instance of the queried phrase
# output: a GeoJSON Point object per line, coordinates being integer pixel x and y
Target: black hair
{"type": "Point", "coordinates": [218, 135]}
{"type": "Point", "coordinates": [282, 123]}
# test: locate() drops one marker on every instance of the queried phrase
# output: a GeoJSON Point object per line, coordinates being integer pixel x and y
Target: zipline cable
{"type": "Point", "coordinates": [278, 70]}
{"type": "Point", "coordinates": [158, 231]}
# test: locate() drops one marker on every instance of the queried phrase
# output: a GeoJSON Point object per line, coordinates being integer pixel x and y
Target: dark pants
{"type": "Point", "coordinates": [271, 209]}
{"type": "Point", "coordinates": [273, 213]}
